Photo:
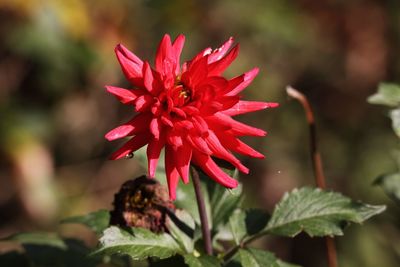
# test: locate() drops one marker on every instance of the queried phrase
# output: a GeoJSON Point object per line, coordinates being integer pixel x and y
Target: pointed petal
{"type": "Point", "coordinates": [177, 47]}
{"type": "Point", "coordinates": [148, 77]}
{"type": "Point", "coordinates": [200, 124]}
{"type": "Point", "coordinates": [138, 124]}
{"type": "Point", "coordinates": [248, 106]}
{"type": "Point", "coordinates": [219, 151]}
{"type": "Point", "coordinates": [184, 155]}
{"type": "Point", "coordinates": [238, 146]}
{"type": "Point", "coordinates": [203, 53]}
{"type": "Point", "coordinates": [126, 96]}
{"type": "Point", "coordinates": [213, 171]}
{"type": "Point", "coordinates": [218, 53]}
{"type": "Point", "coordinates": [155, 127]}
{"type": "Point", "coordinates": [242, 82]}
{"type": "Point", "coordinates": [196, 73]}
{"type": "Point", "coordinates": [171, 172]}
{"type": "Point", "coordinates": [228, 101]}
{"type": "Point", "coordinates": [237, 127]}
{"type": "Point", "coordinates": [131, 146]}
{"type": "Point", "coordinates": [164, 53]}
{"type": "Point", "coordinates": [153, 154]}
{"type": "Point", "coordinates": [174, 139]}
{"type": "Point", "coordinates": [131, 65]}
{"type": "Point", "coordinates": [217, 83]}
{"type": "Point", "coordinates": [199, 143]}
{"type": "Point", "coordinates": [143, 102]}
{"type": "Point", "coordinates": [218, 67]}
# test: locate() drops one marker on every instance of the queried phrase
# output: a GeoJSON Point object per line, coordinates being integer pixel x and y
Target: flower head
{"type": "Point", "coordinates": [187, 110]}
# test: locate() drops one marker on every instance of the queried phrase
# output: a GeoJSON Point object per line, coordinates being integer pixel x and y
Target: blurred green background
{"type": "Point", "coordinates": [56, 56]}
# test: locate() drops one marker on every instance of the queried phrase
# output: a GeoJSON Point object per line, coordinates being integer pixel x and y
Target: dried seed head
{"type": "Point", "coordinates": [142, 202]}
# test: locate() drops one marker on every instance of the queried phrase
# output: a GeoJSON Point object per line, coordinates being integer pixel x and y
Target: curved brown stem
{"type": "Point", "coordinates": [317, 163]}
{"type": "Point", "coordinates": [202, 211]}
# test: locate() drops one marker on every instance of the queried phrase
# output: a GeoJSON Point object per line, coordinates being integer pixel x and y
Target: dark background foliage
{"type": "Point", "coordinates": [56, 57]}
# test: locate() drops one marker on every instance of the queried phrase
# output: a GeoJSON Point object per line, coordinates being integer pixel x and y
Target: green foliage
{"type": "Point", "coordinates": [47, 249]}
{"type": "Point", "coordinates": [317, 212]}
{"type": "Point", "coordinates": [251, 257]}
{"type": "Point", "coordinates": [223, 201]}
{"type": "Point", "coordinates": [139, 244]}
{"type": "Point", "coordinates": [390, 184]}
{"type": "Point", "coordinates": [388, 94]}
{"type": "Point", "coordinates": [97, 221]}
{"type": "Point", "coordinates": [244, 223]}
{"type": "Point", "coordinates": [38, 238]}
{"type": "Point", "coordinates": [182, 228]}
{"type": "Point", "coordinates": [202, 261]}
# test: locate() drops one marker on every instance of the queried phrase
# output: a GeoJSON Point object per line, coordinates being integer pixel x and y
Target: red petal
{"type": "Point", "coordinates": [191, 110]}
{"type": "Point", "coordinates": [131, 65]}
{"type": "Point", "coordinates": [126, 96]}
{"type": "Point", "coordinates": [166, 121]}
{"type": "Point", "coordinates": [200, 124]}
{"type": "Point", "coordinates": [184, 125]}
{"type": "Point", "coordinates": [248, 106]}
{"type": "Point", "coordinates": [196, 73]}
{"type": "Point", "coordinates": [238, 146]}
{"type": "Point", "coordinates": [184, 155]}
{"type": "Point", "coordinates": [216, 68]}
{"type": "Point", "coordinates": [143, 102]}
{"type": "Point", "coordinates": [148, 77]}
{"type": "Point", "coordinates": [242, 81]}
{"type": "Point", "coordinates": [217, 54]}
{"type": "Point", "coordinates": [177, 47]}
{"type": "Point", "coordinates": [171, 172]}
{"type": "Point", "coordinates": [179, 112]}
{"type": "Point", "coordinates": [228, 101]}
{"type": "Point", "coordinates": [239, 128]}
{"type": "Point", "coordinates": [174, 139]}
{"type": "Point", "coordinates": [132, 145]}
{"type": "Point", "coordinates": [155, 127]}
{"type": "Point", "coordinates": [163, 55]}
{"type": "Point", "coordinates": [134, 126]}
{"type": "Point", "coordinates": [213, 171]}
{"type": "Point", "coordinates": [220, 152]}
{"type": "Point", "coordinates": [199, 143]}
{"type": "Point", "coordinates": [153, 154]}
{"type": "Point", "coordinates": [200, 55]}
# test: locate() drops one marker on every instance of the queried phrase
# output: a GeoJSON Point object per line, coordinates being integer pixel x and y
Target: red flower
{"type": "Point", "coordinates": [187, 110]}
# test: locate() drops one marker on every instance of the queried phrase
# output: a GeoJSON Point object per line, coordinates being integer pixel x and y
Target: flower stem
{"type": "Point", "coordinates": [202, 211]}
{"type": "Point", "coordinates": [317, 164]}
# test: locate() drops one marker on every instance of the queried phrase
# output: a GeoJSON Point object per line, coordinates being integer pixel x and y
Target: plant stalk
{"type": "Point", "coordinates": [202, 211]}
{"type": "Point", "coordinates": [317, 164]}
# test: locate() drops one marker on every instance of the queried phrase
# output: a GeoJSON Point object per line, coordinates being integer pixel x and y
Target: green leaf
{"type": "Point", "coordinates": [97, 221]}
{"type": "Point", "coordinates": [317, 212]}
{"type": "Point", "coordinates": [38, 238]}
{"type": "Point", "coordinates": [251, 257]}
{"type": "Point", "coordinates": [202, 261]}
{"type": "Point", "coordinates": [186, 199]}
{"type": "Point", "coordinates": [139, 245]}
{"type": "Point", "coordinates": [388, 94]}
{"type": "Point", "coordinates": [395, 116]}
{"type": "Point", "coordinates": [245, 223]}
{"type": "Point", "coordinates": [223, 201]}
{"type": "Point", "coordinates": [182, 226]}
{"type": "Point", "coordinates": [49, 249]}
{"type": "Point", "coordinates": [390, 184]}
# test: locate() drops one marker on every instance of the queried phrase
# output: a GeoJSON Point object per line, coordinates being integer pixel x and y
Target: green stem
{"type": "Point", "coordinates": [202, 211]}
